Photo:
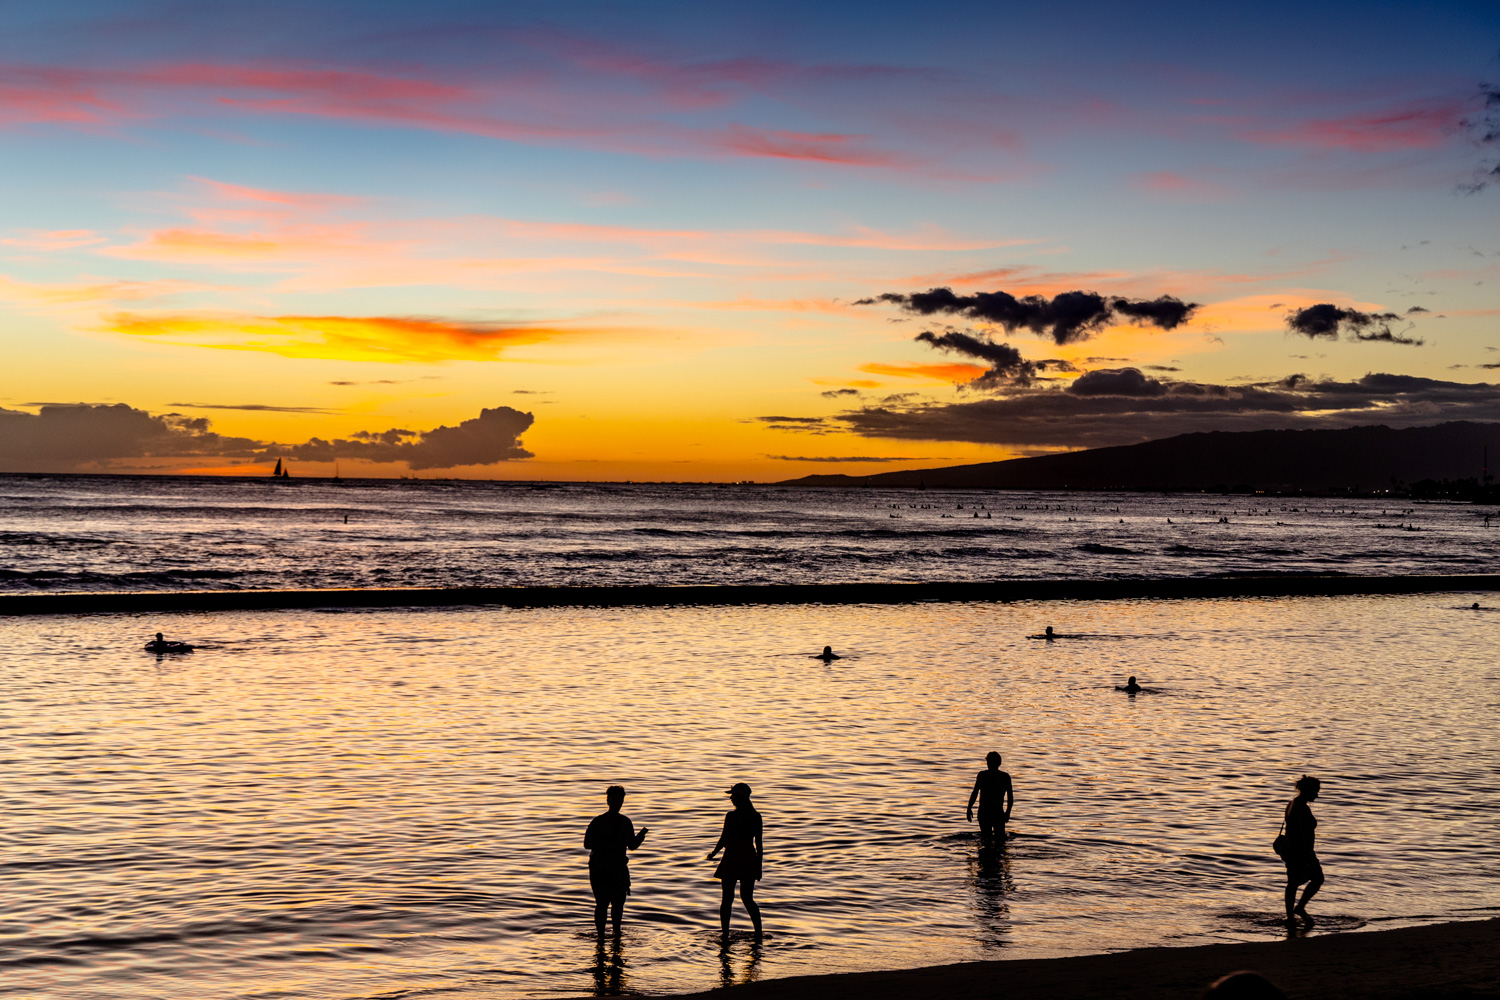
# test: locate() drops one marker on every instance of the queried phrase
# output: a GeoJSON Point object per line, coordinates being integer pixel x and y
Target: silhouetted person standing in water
{"type": "Point", "coordinates": [996, 799]}
{"type": "Point", "coordinates": [743, 851]}
{"type": "Point", "coordinates": [1299, 854]}
{"type": "Point", "coordinates": [609, 836]}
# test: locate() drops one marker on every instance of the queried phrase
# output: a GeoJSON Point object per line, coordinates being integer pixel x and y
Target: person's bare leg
{"type": "Point", "coordinates": [726, 906]}
{"type": "Point", "coordinates": [616, 911]}
{"type": "Point", "coordinates": [747, 893]}
{"type": "Point", "coordinates": [601, 907]}
{"type": "Point", "coordinates": [1291, 899]}
{"type": "Point", "coordinates": [1308, 893]}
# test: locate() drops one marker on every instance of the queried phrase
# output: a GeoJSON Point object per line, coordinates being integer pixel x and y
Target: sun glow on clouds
{"type": "Point", "coordinates": [341, 338]}
{"type": "Point", "coordinates": [953, 374]}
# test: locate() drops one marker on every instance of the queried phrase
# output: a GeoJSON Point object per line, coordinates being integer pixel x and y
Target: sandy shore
{"type": "Point", "coordinates": [1458, 961]}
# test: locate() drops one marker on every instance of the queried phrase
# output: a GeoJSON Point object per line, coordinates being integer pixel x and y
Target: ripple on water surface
{"type": "Point", "coordinates": [366, 803]}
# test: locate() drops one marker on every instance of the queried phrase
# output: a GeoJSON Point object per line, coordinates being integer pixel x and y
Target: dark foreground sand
{"type": "Point", "coordinates": [1458, 961]}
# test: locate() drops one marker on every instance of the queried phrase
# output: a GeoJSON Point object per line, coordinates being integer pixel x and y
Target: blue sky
{"type": "Point", "coordinates": [638, 231]}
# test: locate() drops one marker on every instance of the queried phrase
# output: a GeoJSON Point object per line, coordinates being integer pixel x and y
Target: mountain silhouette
{"type": "Point", "coordinates": [1437, 459]}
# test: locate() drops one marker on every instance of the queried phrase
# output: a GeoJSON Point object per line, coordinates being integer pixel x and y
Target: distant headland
{"type": "Point", "coordinates": [1448, 460]}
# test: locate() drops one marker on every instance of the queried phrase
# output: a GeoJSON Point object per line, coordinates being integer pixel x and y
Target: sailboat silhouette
{"type": "Point", "coordinates": [279, 472]}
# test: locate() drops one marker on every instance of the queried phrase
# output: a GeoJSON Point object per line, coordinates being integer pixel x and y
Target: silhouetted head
{"type": "Point", "coordinates": [158, 637]}
{"type": "Point", "coordinates": [1130, 679]}
{"type": "Point", "coordinates": [992, 759]}
{"type": "Point", "coordinates": [828, 650]}
{"type": "Point", "coordinates": [1475, 605]}
{"type": "Point", "coordinates": [1243, 985]}
{"type": "Point", "coordinates": [739, 793]}
{"type": "Point", "coordinates": [1308, 787]}
{"type": "Point", "coordinates": [1049, 630]}
{"type": "Point", "coordinates": [615, 796]}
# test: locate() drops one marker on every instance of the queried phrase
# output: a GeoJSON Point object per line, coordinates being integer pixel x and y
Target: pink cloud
{"type": "Point", "coordinates": [1179, 186]}
{"type": "Point", "coordinates": [320, 241]}
{"type": "Point", "coordinates": [592, 114]}
{"type": "Point", "coordinates": [55, 239]}
{"type": "Point", "coordinates": [1415, 126]}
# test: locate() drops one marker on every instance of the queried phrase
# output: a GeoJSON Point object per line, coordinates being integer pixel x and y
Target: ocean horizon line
{"type": "Point", "coordinates": [654, 595]}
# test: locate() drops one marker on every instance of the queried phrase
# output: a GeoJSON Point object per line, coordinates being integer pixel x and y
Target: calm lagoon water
{"type": "Point", "coordinates": [392, 803]}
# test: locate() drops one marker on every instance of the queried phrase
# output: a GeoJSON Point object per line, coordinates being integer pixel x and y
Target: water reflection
{"type": "Point", "coordinates": [989, 871]}
{"type": "Point", "coordinates": [337, 777]}
{"type": "Point", "coordinates": [608, 970]}
{"type": "Point", "coordinates": [748, 959]}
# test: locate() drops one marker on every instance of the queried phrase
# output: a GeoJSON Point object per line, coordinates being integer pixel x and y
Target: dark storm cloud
{"type": "Point", "coordinates": [491, 437]}
{"type": "Point", "coordinates": [1066, 317]}
{"type": "Point", "coordinates": [793, 421]}
{"type": "Point", "coordinates": [1327, 320]}
{"type": "Point", "coordinates": [64, 436]}
{"type": "Point", "coordinates": [1005, 361]}
{"type": "Point", "coordinates": [1126, 406]}
{"type": "Point", "coordinates": [76, 436]}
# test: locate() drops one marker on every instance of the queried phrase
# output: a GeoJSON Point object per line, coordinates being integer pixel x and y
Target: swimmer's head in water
{"type": "Point", "coordinates": [1049, 629]}
{"type": "Point", "coordinates": [992, 759]}
{"type": "Point", "coordinates": [827, 650]}
{"type": "Point", "coordinates": [615, 795]}
{"type": "Point", "coordinates": [1130, 679]}
{"type": "Point", "coordinates": [158, 637]}
{"type": "Point", "coordinates": [1309, 786]}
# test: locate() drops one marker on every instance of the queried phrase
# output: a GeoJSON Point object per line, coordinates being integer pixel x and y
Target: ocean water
{"type": "Point", "coordinates": [78, 533]}
{"type": "Point", "coordinates": [392, 803]}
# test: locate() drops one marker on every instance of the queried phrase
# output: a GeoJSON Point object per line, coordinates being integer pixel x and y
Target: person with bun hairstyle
{"type": "Point", "coordinates": [743, 852]}
{"type": "Point", "coordinates": [1299, 849]}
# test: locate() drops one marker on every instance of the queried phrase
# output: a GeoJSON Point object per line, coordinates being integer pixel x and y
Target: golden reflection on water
{"type": "Point", "coordinates": [356, 804]}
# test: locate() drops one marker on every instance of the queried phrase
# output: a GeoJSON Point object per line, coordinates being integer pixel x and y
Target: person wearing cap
{"type": "Point", "coordinates": [996, 797]}
{"type": "Point", "coordinates": [609, 836]}
{"type": "Point", "coordinates": [743, 851]}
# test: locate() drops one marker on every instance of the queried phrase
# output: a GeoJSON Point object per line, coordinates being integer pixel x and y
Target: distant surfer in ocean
{"type": "Point", "coordinates": [609, 836]}
{"type": "Point", "coordinates": [162, 645]}
{"type": "Point", "coordinates": [992, 787]}
{"type": "Point", "coordinates": [827, 655]}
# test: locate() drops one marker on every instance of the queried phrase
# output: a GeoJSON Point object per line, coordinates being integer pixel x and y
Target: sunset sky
{"type": "Point", "coordinates": [694, 241]}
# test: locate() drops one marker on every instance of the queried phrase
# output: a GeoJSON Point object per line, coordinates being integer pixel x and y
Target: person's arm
{"type": "Point", "coordinates": [1010, 798]}
{"type": "Point", "coordinates": [760, 847]}
{"type": "Point", "coordinates": [974, 795]}
{"type": "Point", "coordinates": [635, 841]}
{"type": "Point", "coordinates": [723, 835]}
{"type": "Point", "coordinates": [588, 837]}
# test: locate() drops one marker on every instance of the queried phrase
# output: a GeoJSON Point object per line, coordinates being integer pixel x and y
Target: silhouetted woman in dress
{"type": "Point", "coordinates": [742, 849]}
{"type": "Point", "coordinates": [1300, 855]}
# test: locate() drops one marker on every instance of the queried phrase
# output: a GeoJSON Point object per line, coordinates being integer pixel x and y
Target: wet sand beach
{"type": "Point", "coordinates": [1448, 961]}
